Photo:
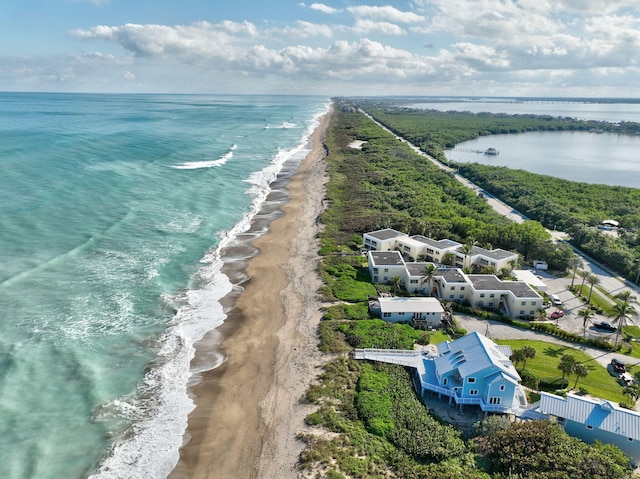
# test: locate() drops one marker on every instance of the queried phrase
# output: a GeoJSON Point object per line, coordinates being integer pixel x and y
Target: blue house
{"type": "Point", "coordinates": [591, 419]}
{"type": "Point", "coordinates": [472, 370]}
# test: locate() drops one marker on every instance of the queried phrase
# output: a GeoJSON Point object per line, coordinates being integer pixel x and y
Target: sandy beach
{"type": "Point", "coordinates": [247, 410]}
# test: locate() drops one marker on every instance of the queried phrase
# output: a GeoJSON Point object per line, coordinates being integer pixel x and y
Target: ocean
{"type": "Point", "coordinates": [115, 214]}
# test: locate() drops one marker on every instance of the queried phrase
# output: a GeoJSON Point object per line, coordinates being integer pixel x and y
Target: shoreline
{"type": "Point", "coordinates": [247, 410]}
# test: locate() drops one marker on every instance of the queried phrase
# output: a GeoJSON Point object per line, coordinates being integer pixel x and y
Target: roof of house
{"type": "Point", "coordinates": [418, 268]}
{"type": "Point", "coordinates": [452, 275]}
{"type": "Point", "coordinates": [594, 412]}
{"type": "Point", "coordinates": [496, 254]}
{"type": "Point", "coordinates": [473, 354]}
{"type": "Point", "coordinates": [410, 305]}
{"type": "Point", "coordinates": [490, 282]}
{"type": "Point", "coordinates": [439, 244]}
{"type": "Point", "coordinates": [385, 234]}
{"type": "Point", "coordinates": [386, 258]}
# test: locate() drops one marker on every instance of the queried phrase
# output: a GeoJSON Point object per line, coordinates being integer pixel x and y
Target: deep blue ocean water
{"type": "Point", "coordinates": [113, 209]}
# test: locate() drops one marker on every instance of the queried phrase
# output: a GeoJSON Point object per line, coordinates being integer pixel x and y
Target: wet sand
{"type": "Point", "coordinates": [247, 410]}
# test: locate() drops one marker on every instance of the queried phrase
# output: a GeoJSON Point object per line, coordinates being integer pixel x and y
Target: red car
{"type": "Point", "coordinates": [557, 315]}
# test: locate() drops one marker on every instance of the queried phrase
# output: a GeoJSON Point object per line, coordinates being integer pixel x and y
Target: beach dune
{"type": "Point", "coordinates": [247, 410]}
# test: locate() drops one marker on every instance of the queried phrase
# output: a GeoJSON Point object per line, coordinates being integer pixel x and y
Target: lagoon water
{"type": "Point", "coordinates": [579, 156]}
{"type": "Point", "coordinates": [114, 210]}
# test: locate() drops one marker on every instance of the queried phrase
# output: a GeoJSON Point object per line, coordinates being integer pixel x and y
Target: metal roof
{"type": "Point", "coordinates": [594, 412]}
{"type": "Point", "coordinates": [410, 305]}
{"type": "Point", "coordinates": [472, 354]}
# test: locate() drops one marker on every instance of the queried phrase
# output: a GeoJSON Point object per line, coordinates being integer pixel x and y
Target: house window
{"type": "Point", "coordinates": [452, 296]}
{"type": "Point", "coordinates": [462, 296]}
{"type": "Point", "coordinates": [444, 381]}
{"type": "Point", "coordinates": [453, 288]}
{"type": "Point", "coordinates": [386, 270]}
{"type": "Point", "coordinates": [533, 303]}
{"type": "Point", "coordinates": [521, 312]}
{"type": "Point", "coordinates": [523, 303]}
{"type": "Point", "coordinates": [386, 315]}
{"type": "Point", "coordinates": [413, 281]}
{"type": "Point", "coordinates": [532, 312]}
{"type": "Point", "coordinates": [461, 288]}
{"type": "Point", "coordinates": [375, 270]}
{"type": "Point", "coordinates": [473, 392]}
{"type": "Point", "coordinates": [502, 387]}
{"type": "Point", "coordinates": [471, 380]}
{"type": "Point", "coordinates": [482, 295]}
{"type": "Point", "coordinates": [492, 295]}
{"type": "Point", "coordinates": [495, 400]}
{"type": "Point", "coordinates": [481, 303]}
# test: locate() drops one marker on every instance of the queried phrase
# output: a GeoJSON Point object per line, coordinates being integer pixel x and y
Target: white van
{"type": "Point", "coordinates": [555, 300]}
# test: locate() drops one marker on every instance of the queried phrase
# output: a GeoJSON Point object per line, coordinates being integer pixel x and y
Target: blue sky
{"type": "Point", "coordinates": [419, 47]}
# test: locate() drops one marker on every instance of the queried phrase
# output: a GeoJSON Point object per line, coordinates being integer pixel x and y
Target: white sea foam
{"type": "Point", "coordinates": [152, 448]}
{"type": "Point", "coordinates": [194, 165]}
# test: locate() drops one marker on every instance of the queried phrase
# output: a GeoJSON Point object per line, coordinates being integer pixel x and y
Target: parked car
{"type": "Point", "coordinates": [618, 366]}
{"type": "Point", "coordinates": [557, 314]}
{"type": "Point", "coordinates": [606, 326]}
{"type": "Point", "coordinates": [626, 379]}
{"type": "Point", "coordinates": [555, 299]}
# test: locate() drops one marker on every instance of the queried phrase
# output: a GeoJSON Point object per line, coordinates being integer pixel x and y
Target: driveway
{"type": "Point", "coordinates": [498, 330]}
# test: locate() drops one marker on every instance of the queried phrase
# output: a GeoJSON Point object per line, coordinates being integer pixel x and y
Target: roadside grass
{"type": "Point", "coordinates": [599, 298]}
{"type": "Point", "coordinates": [544, 366]}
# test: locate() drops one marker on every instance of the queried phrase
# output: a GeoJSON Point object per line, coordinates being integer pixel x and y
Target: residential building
{"type": "Point", "coordinates": [451, 284]}
{"type": "Point", "coordinates": [591, 419]}
{"type": "Point", "coordinates": [416, 310]}
{"type": "Point", "coordinates": [472, 370]}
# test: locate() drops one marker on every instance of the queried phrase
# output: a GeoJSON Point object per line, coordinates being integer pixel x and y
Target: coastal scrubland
{"type": "Point", "coordinates": [574, 207]}
{"type": "Point", "coordinates": [369, 423]}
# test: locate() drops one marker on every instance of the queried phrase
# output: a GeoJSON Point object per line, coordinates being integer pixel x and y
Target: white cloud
{"type": "Point", "coordinates": [365, 27]}
{"type": "Point", "coordinates": [388, 13]}
{"type": "Point", "coordinates": [323, 8]}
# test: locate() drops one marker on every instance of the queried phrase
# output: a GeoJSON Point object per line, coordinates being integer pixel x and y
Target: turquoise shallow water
{"type": "Point", "coordinates": [113, 209]}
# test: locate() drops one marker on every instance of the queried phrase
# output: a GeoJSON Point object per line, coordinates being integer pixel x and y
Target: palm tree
{"type": "Point", "coordinates": [585, 313]}
{"type": "Point", "coordinates": [592, 279]}
{"type": "Point", "coordinates": [575, 263]}
{"type": "Point", "coordinates": [396, 283]}
{"type": "Point", "coordinates": [448, 258]}
{"type": "Point", "coordinates": [429, 271]}
{"type": "Point", "coordinates": [517, 355]}
{"type": "Point", "coordinates": [633, 392]}
{"type": "Point", "coordinates": [529, 353]}
{"type": "Point", "coordinates": [466, 249]}
{"type": "Point", "coordinates": [622, 314]}
{"type": "Point", "coordinates": [584, 274]}
{"type": "Point", "coordinates": [581, 371]}
{"type": "Point", "coordinates": [626, 297]}
{"type": "Point", "coordinates": [566, 365]}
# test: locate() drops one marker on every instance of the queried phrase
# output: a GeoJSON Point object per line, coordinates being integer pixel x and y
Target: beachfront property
{"type": "Point", "coordinates": [513, 298]}
{"type": "Point", "coordinates": [591, 419]}
{"type": "Point", "coordinates": [419, 247]}
{"type": "Point", "coordinates": [422, 311]}
{"type": "Point", "coordinates": [469, 371]}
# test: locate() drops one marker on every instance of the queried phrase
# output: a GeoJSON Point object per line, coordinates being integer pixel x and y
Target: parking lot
{"type": "Point", "coordinates": [571, 321]}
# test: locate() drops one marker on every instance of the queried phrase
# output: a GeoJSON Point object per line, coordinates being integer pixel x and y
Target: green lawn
{"type": "Point", "coordinates": [439, 336]}
{"type": "Point", "coordinates": [598, 382]}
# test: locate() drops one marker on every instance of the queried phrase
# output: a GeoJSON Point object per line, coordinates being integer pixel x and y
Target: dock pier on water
{"type": "Point", "coordinates": [488, 151]}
